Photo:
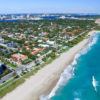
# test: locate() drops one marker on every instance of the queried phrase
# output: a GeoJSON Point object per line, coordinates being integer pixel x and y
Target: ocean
{"type": "Point", "coordinates": [81, 79]}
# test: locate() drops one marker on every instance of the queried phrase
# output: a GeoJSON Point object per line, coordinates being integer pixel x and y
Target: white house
{"type": "Point", "coordinates": [50, 42]}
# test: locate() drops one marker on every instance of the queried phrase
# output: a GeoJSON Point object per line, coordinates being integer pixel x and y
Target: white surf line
{"type": "Point", "coordinates": [94, 83]}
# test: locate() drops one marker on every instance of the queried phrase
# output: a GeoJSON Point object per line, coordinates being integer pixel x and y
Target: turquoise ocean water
{"type": "Point", "coordinates": [81, 79]}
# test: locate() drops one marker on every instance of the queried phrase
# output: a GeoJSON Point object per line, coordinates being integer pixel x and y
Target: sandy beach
{"type": "Point", "coordinates": [46, 78]}
{"type": "Point", "coordinates": [97, 21]}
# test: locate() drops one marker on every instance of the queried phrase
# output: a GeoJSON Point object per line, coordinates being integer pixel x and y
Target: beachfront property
{"type": "Point", "coordinates": [36, 50]}
{"type": "Point", "coordinates": [27, 45]}
{"type": "Point", "coordinates": [18, 58]}
{"type": "Point", "coordinates": [49, 49]}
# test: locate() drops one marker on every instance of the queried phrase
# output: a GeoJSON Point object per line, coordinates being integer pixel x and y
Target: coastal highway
{"type": "Point", "coordinates": [28, 66]}
{"type": "Point", "coordinates": [24, 67]}
{"type": "Point", "coordinates": [18, 71]}
{"type": "Point", "coordinates": [6, 78]}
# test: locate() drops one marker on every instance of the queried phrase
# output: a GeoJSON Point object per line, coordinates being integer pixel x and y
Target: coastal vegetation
{"type": "Point", "coordinates": [18, 82]}
{"type": "Point", "coordinates": [27, 46]}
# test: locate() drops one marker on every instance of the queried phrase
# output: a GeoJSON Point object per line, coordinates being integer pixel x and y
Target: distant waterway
{"type": "Point", "coordinates": [10, 20]}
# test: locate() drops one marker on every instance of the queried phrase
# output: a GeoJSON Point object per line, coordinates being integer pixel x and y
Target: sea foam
{"type": "Point", "coordinates": [94, 83]}
{"type": "Point", "coordinates": [69, 71]}
{"type": "Point", "coordinates": [77, 99]}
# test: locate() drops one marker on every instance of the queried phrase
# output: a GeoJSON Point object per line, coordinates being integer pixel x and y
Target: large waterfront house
{"type": "Point", "coordinates": [18, 58]}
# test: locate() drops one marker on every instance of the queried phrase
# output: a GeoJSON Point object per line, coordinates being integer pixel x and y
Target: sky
{"type": "Point", "coordinates": [49, 6]}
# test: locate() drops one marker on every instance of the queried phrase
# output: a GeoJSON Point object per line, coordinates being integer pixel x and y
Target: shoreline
{"type": "Point", "coordinates": [46, 78]}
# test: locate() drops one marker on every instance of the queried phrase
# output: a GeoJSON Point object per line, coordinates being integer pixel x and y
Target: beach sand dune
{"type": "Point", "coordinates": [46, 78]}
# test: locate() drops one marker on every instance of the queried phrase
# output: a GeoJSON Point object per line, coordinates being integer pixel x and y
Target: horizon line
{"type": "Point", "coordinates": [51, 13]}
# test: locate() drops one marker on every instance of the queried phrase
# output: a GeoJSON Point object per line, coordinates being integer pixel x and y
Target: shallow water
{"type": "Point", "coordinates": [81, 80]}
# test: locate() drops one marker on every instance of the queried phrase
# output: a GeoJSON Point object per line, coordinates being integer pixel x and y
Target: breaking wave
{"type": "Point", "coordinates": [69, 71]}
{"type": "Point", "coordinates": [94, 83]}
{"type": "Point", "coordinates": [77, 99]}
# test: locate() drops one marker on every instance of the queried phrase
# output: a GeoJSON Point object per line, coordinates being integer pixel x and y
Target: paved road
{"type": "Point", "coordinates": [4, 45]}
{"type": "Point", "coordinates": [28, 66]}
{"type": "Point", "coordinates": [23, 67]}
{"type": "Point", "coordinates": [6, 78]}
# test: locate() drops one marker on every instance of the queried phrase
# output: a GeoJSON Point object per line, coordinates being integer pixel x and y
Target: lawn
{"type": "Point", "coordinates": [5, 84]}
